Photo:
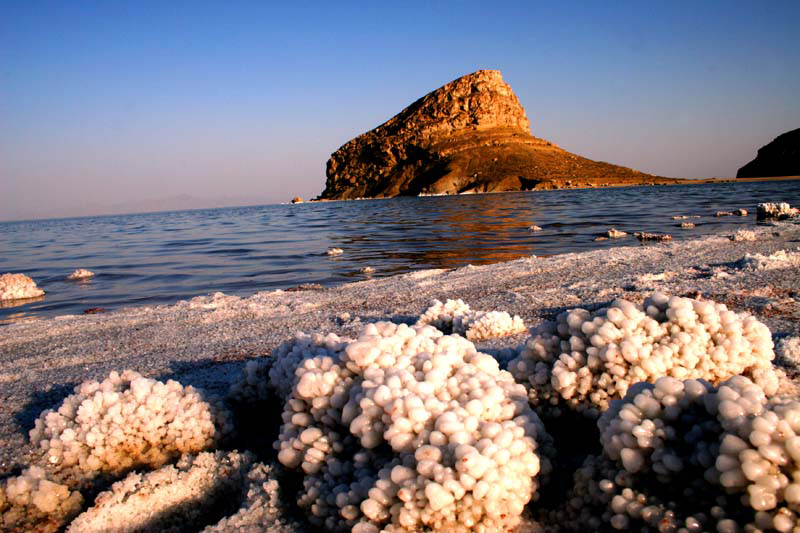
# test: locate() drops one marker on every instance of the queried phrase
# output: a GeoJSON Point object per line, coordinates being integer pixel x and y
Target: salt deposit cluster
{"type": "Point", "coordinates": [408, 429]}
{"type": "Point", "coordinates": [777, 210]}
{"type": "Point", "coordinates": [584, 360]}
{"type": "Point", "coordinates": [455, 316]}
{"type": "Point", "coordinates": [18, 286]}
{"type": "Point", "coordinates": [80, 273]}
{"type": "Point", "coordinates": [412, 428]}
{"type": "Point", "coordinates": [688, 456]}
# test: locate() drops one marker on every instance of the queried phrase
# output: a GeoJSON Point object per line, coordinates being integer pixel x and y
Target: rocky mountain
{"type": "Point", "coordinates": [781, 157]}
{"type": "Point", "coordinates": [471, 135]}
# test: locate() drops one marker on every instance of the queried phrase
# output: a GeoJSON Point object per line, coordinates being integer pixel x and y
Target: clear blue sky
{"type": "Point", "coordinates": [121, 103]}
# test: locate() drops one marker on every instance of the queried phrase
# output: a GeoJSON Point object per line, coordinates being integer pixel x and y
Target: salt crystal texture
{"type": "Point", "coordinates": [455, 316]}
{"type": "Point", "coordinates": [582, 361]}
{"type": "Point", "coordinates": [80, 273]}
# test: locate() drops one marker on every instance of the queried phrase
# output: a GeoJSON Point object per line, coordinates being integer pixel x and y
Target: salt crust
{"type": "Point", "coordinates": [686, 456]}
{"type": "Point", "coordinates": [584, 360]}
{"type": "Point", "coordinates": [124, 422]}
{"type": "Point", "coordinates": [455, 316]}
{"type": "Point", "coordinates": [780, 210]}
{"type": "Point", "coordinates": [18, 286]}
{"type": "Point", "coordinates": [744, 235]}
{"type": "Point", "coordinates": [408, 429]}
{"type": "Point", "coordinates": [779, 259]}
{"type": "Point", "coordinates": [169, 498]}
{"type": "Point", "coordinates": [31, 502]}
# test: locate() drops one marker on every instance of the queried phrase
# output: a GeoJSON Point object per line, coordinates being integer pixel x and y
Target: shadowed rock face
{"type": "Point", "coordinates": [781, 157]}
{"type": "Point", "coordinates": [471, 135]}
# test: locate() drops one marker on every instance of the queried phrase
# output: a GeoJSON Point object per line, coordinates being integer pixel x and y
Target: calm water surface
{"type": "Point", "coordinates": [159, 258]}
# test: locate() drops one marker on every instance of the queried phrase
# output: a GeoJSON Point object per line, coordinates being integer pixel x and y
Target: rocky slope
{"type": "Point", "coordinates": [471, 135]}
{"type": "Point", "coordinates": [781, 157]}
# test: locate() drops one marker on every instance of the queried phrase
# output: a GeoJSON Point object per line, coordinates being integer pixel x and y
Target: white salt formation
{"type": "Point", "coordinates": [535, 228]}
{"type": "Point", "coordinates": [169, 498]}
{"type": "Point", "coordinates": [455, 316]}
{"type": "Point", "coordinates": [779, 211]}
{"type": "Point", "coordinates": [744, 235]}
{"type": "Point", "coordinates": [614, 233]}
{"type": "Point", "coordinates": [788, 351]}
{"type": "Point", "coordinates": [780, 259]}
{"type": "Point", "coordinates": [686, 225]}
{"type": "Point", "coordinates": [124, 422]}
{"type": "Point", "coordinates": [334, 251]}
{"type": "Point", "coordinates": [583, 360]}
{"type": "Point", "coordinates": [31, 502]}
{"type": "Point", "coordinates": [80, 273]}
{"type": "Point", "coordinates": [18, 286]}
{"type": "Point", "coordinates": [407, 429]}
{"type": "Point", "coordinates": [684, 456]}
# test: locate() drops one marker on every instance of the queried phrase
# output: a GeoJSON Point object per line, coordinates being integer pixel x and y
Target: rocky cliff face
{"type": "Point", "coordinates": [471, 135]}
{"type": "Point", "coordinates": [781, 157]}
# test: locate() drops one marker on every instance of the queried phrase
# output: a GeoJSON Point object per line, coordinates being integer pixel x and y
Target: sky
{"type": "Point", "coordinates": [132, 106]}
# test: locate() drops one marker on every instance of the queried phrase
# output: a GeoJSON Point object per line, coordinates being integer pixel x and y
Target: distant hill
{"type": "Point", "coordinates": [471, 135]}
{"type": "Point", "coordinates": [781, 157]}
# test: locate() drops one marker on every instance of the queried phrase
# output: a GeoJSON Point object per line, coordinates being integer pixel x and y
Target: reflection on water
{"type": "Point", "coordinates": [20, 301]}
{"type": "Point", "coordinates": [165, 257]}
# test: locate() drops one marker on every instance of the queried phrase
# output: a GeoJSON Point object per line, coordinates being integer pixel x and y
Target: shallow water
{"type": "Point", "coordinates": [158, 258]}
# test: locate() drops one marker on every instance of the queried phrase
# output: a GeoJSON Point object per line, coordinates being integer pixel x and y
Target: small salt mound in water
{"type": "Point", "coordinates": [455, 316]}
{"type": "Point", "coordinates": [80, 273]}
{"type": "Point", "coordinates": [334, 251]}
{"type": "Point", "coordinates": [584, 360]}
{"type": "Point", "coordinates": [18, 286]}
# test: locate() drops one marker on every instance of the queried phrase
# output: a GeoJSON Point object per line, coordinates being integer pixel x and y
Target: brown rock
{"type": "Point", "coordinates": [297, 200]}
{"type": "Point", "coordinates": [643, 236]}
{"type": "Point", "coordinates": [471, 135]}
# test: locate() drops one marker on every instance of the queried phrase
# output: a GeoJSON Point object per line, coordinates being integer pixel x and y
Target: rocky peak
{"type": "Point", "coordinates": [470, 135]}
{"type": "Point", "coordinates": [781, 157]}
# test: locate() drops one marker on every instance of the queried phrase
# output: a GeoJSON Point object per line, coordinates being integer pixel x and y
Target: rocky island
{"type": "Point", "coordinates": [781, 157]}
{"type": "Point", "coordinates": [470, 135]}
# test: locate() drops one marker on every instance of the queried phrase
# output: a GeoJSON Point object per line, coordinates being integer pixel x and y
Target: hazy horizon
{"type": "Point", "coordinates": [149, 104]}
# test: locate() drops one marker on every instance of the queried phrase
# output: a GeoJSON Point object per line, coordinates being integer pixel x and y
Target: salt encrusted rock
{"type": "Point", "coordinates": [723, 214]}
{"type": "Point", "coordinates": [614, 233]}
{"type": "Point", "coordinates": [334, 251]}
{"type": "Point", "coordinates": [18, 286]}
{"type": "Point", "coordinates": [535, 228]}
{"type": "Point", "coordinates": [686, 225]}
{"type": "Point", "coordinates": [455, 316]}
{"type": "Point", "coordinates": [683, 454]}
{"type": "Point", "coordinates": [643, 236]}
{"type": "Point", "coordinates": [583, 360]}
{"type": "Point", "coordinates": [744, 235]}
{"type": "Point", "coordinates": [124, 422]}
{"type": "Point", "coordinates": [684, 217]}
{"type": "Point", "coordinates": [170, 498]}
{"type": "Point", "coordinates": [740, 212]}
{"type": "Point", "coordinates": [780, 259]}
{"type": "Point", "coordinates": [409, 430]}
{"type": "Point", "coordinates": [31, 502]}
{"type": "Point", "coordinates": [779, 211]}
{"type": "Point", "coordinates": [80, 273]}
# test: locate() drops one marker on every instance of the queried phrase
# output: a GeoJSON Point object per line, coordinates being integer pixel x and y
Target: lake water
{"type": "Point", "coordinates": [157, 258]}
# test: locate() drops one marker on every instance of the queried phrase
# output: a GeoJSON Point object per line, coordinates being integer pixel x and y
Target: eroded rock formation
{"type": "Point", "coordinates": [781, 157]}
{"type": "Point", "coordinates": [471, 135]}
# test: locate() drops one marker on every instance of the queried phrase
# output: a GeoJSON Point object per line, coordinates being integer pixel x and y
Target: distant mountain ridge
{"type": "Point", "coordinates": [470, 135]}
{"type": "Point", "coordinates": [781, 157]}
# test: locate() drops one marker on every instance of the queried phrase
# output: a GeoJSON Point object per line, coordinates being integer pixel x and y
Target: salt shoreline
{"type": "Point", "coordinates": [204, 341]}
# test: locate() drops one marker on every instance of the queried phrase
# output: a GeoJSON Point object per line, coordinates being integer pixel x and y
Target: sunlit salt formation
{"type": "Point", "coordinates": [124, 422]}
{"type": "Point", "coordinates": [779, 259]}
{"type": "Point", "coordinates": [407, 429]}
{"type": "Point", "coordinates": [18, 286]}
{"type": "Point", "coordinates": [788, 351]}
{"type": "Point", "coordinates": [274, 374]}
{"type": "Point", "coordinates": [80, 273]}
{"type": "Point", "coordinates": [31, 502]}
{"type": "Point", "coordinates": [455, 316]}
{"type": "Point", "coordinates": [334, 251]}
{"type": "Point", "coordinates": [684, 456]}
{"type": "Point", "coordinates": [583, 360]}
{"type": "Point", "coordinates": [743, 235]}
